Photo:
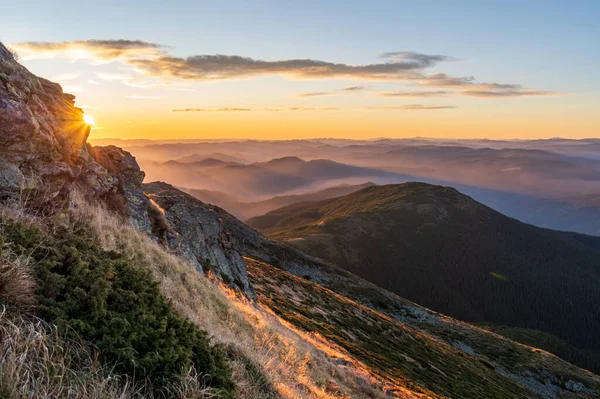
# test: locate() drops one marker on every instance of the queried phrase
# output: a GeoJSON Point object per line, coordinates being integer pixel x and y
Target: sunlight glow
{"type": "Point", "coordinates": [89, 120]}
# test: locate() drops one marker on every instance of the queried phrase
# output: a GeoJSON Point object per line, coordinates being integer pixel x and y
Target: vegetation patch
{"type": "Point", "coordinates": [103, 297]}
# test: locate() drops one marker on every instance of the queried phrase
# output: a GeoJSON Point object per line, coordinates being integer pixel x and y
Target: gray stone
{"type": "Point", "coordinates": [198, 232]}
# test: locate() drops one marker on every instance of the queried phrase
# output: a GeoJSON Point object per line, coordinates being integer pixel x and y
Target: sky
{"type": "Point", "coordinates": [306, 69]}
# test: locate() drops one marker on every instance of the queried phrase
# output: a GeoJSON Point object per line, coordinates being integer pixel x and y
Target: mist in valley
{"type": "Point", "coordinates": [552, 183]}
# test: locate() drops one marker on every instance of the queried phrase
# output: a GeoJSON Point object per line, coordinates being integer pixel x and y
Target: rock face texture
{"type": "Point", "coordinates": [44, 155]}
{"type": "Point", "coordinates": [123, 166]}
{"type": "Point", "coordinates": [198, 232]}
{"type": "Point", "coordinates": [43, 137]}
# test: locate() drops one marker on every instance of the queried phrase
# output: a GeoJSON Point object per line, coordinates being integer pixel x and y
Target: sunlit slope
{"type": "Point", "coordinates": [406, 354]}
{"type": "Point", "coordinates": [443, 250]}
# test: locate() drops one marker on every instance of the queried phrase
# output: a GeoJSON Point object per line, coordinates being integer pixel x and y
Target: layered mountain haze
{"type": "Point", "coordinates": [244, 210]}
{"type": "Point", "coordinates": [542, 182]}
{"type": "Point", "coordinates": [442, 249]}
{"type": "Point", "coordinates": [258, 181]}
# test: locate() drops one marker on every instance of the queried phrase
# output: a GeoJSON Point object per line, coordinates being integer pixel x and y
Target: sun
{"type": "Point", "coordinates": [89, 120]}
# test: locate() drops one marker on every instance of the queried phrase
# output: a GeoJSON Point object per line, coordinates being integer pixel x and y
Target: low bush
{"type": "Point", "coordinates": [105, 298]}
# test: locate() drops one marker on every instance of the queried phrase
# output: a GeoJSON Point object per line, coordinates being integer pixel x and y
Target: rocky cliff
{"type": "Point", "coordinates": [43, 147]}
{"type": "Point", "coordinates": [198, 232]}
{"type": "Point", "coordinates": [44, 157]}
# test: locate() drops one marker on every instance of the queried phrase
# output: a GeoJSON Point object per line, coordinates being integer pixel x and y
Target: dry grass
{"type": "Point", "coordinates": [290, 365]}
{"type": "Point", "coordinates": [36, 362]}
{"type": "Point", "coordinates": [17, 286]}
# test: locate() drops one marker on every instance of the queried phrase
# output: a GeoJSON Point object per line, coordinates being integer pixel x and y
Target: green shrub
{"type": "Point", "coordinates": [105, 298]}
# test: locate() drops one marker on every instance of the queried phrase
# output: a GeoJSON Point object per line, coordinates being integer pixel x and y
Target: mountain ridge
{"type": "Point", "coordinates": [447, 252]}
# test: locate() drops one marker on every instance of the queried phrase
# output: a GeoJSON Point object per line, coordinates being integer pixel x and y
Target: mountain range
{"type": "Point", "coordinates": [245, 210]}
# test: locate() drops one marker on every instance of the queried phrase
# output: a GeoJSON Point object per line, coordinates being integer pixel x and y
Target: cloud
{"type": "Point", "coordinates": [354, 88]}
{"type": "Point", "coordinates": [234, 109]}
{"type": "Point", "coordinates": [424, 59]}
{"type": "Point", "coordinates": [442, 80]}
{"type": "Point", "coordinates": [314, 94]}
{"type": "Point", "coordinates": [414, 93]}
{"type": "Point", "coordinates": [345, 90]}
{"type": "Point", "coordinates": [98, 50]}
{"type": "Point", "coordinates": [520, 92]}
{"type": "Point", "coordinates": [153, 67]}
{"type": "Point", "coordinates": [411, 107]}
{"type": "Point", "coordinates": [507, 93]}
{"type": "Point", "coordinates": [217, 67]}
{"type": "Point", "coordinates": [93, 82]}
{"type": "Point", "coordinates": [151, 60]}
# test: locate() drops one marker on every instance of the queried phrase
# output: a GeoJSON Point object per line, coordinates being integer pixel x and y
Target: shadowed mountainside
{"type": "Point", "coordinates": [439, 248]}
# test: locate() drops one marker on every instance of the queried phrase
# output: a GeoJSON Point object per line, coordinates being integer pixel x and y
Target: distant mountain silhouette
{"type": "Point", "coordinates": [215, 155]}
{"type": "Point", "coordinates": [262, 180]}
{"type": "Point", "coordinates": [245, 210]}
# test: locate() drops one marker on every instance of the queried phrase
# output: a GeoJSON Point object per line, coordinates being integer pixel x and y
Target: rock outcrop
{"type": "Point", "coordinates": [43, 146]}
{"type": "Point", "coordinates": [44, 156]}
{"type": "Point", "coordinates": [123, 166]}
{"type": "Point", "coordinates": [198, 232]}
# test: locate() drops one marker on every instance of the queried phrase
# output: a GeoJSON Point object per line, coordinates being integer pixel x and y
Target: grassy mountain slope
{"type": "Point", "coordinates": [406, 356]}
{"type": "Point", "coordinates": [347, 351]}
{"type": "Point", "coordinates": [266, 357]}
{"type": "Point", "coordinates": [444, 250]}
{"type": "Point", "coordinates": [587, 359]}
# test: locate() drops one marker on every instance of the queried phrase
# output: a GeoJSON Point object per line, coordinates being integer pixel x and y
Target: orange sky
{"type": "Point", "coordinates": [502, 122]}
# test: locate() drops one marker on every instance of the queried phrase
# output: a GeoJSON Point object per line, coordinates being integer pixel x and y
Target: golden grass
{"type": "Point", "coordinates": [36, 362]}
{"type": "Point", "coordinates": [17, 285]}
{"type": "Point", "coordinates": [293, 366]}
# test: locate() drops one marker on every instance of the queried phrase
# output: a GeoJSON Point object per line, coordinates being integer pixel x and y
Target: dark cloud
{"type": "Point", "coordinates": [354, 88]}
{"type": "Point", "coordinates": [427, 60]}
{"type": "Point", "coordinates": [216, 67]}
